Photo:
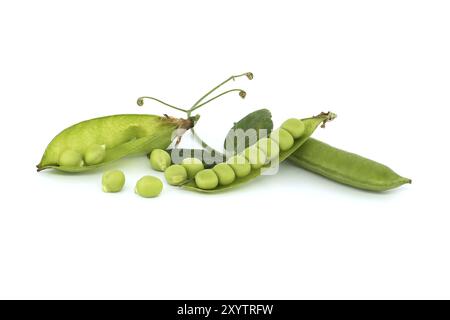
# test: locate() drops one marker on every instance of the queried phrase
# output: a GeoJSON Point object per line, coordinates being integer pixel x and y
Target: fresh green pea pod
{"type": "Point", "coordinates": [345, 167]}
{"type": "Point", "coordinates": [310, 126]}
{"type": "Point", "coordinates": [122, 135]}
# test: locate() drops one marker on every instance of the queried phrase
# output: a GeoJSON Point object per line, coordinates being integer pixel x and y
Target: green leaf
{"type": "Point", "coordinates": [260, 121]}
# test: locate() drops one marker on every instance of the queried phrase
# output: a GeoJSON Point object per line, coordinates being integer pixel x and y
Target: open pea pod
{"type": "Point", "coordinates": [121, 135]}
{"type": "Point", "coordinates": [311, 125]}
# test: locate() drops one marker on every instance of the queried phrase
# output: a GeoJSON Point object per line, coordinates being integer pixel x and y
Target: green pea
{"type": "Point", "coordinates": [192, 166]}
{"type": "Point", "coordinates": [148, 187]}
{"type": "Point", "coordinates": [283, 138]}
{"type": "Point", "coordinates": [255, 156]}
{"type": "Point", "coordinates": [269, 147]}
{"type": "Point", "coordinates": [71, 158]}
{"type": "Point", "coordinates": [225, 173]}
{"type": "Point", "coordinates": [175, 174]}
{"type": "Point", "coordinates": [294, 126]}
{"type": "Point", "coordinates": [240, 165]}
{"type": "Point", "coordinates": [113, 181]}
{"type": "Point", "coordinates": [160, 160]}
{"type": "Point", "coordinates": [95, 154]}
{"type": "Point", "coordinates": [206, 179]}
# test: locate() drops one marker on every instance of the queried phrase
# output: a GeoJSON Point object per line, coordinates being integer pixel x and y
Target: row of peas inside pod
{"type": "Point", "coordinates": [238, 166]}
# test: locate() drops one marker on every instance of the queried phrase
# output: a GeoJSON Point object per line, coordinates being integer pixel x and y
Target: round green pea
{"type": "Point", "coordinates": [175, 174]}
{"type": "Point", "coordinates": [71, 158]}
{"type": "Point", "coordinates": [113, 181]}
{"type": "Point", "coordinates": [192, 166]}
{"type": "Point", "coordinates": [283, 138]}
{"type": "Point", "coordinates": [240, 165]}
{"type": "Point", "coordinates": [255, 156]}
{"type": "Point", "coordinates": [206, 179]}
{"type": "Point", "coordinates": [269, 147]}
{"type": "Point", "coordinates": [148, 187]}
{"type": "Point", "coordinates": [225, 173]}
{"type": "Point", "coordinates": [95, 154]}
{"type": "Point", "coordinates": [294, 126]}
{"type": "Point", "coordinates": [160, 160]}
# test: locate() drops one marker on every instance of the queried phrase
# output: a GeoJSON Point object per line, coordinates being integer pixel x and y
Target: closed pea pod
{"type": "Point", "coordinates": [345, 167]}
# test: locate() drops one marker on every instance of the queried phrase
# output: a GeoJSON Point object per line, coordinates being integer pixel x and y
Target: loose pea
{"type": "Point", "coordinates": [269, 147]}
{"type": "Point", "coordinates": [283, 138]}
{"type": "Point", "coordinates": [294, 126]}
{"type": "Point", "coordinates": [225, 174]}
{"type": "Point", "coordinates": [160, 160]}
{"type": "Point", "coordinates": [240, 165]}
{"type": "Point", "coordinates": [71, 158]}
{"type": "Point", "coordinates": [175, 174]}
{"type": "Point", "coordinates": [113, 181]}
{"type": "Point", "coordinates": [95, 154]}
{"type": "Point", "coordinates": [192, 166]}
{"type": "Point", "coordinates": [206, 179]}
{"type": "Point", "coordinates": [255, 156]}
{"type": "Point", "coordinates": [148, 187]}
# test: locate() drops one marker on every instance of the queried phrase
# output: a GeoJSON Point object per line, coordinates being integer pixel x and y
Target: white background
{"type": "Point", "coordinates": [382, 66]}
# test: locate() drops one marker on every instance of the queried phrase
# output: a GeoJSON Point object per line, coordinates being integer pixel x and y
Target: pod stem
{"type": "Point", "coordinates": [249, 76]}
{"type": "Point", "coordinates": [140, 102]}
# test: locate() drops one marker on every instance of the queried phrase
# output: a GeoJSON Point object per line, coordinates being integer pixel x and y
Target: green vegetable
{"type": "Point", "coordinates": [345, 167]}
{"type": "Point", "coordinates": [225, 174]}
{"type": "Point", "coordinates": [310, 126]}
{"type": "Point", "coordinates": [269, 147]}
{"type": "Point", "coordinates": [122, 135]}
{"type": "Point", "coordinates": [192, 166]}
{"type": "Point", "coordinates": [113, 181]}
{"type": "Point", "coordinates": [240, 165]}
{"type": "Point", "coordinates": [148, 187]}
{"type": "Point", "coordinates": [294, 126]}
{"type": "Point", "coordinates": [71, 158]}
{"type": "Point", "coordinates": [283, 138]}
{"type": "Point", "coordinates": [206, 179]}
{"type": "Point", "coordinates": [255, 156]}
{"type": "Point", "coordinates": [160, 160]}
{"type": "Point", "coordinates": [175, 175]}
{"type": "Point", "coordinates": [94, 154]}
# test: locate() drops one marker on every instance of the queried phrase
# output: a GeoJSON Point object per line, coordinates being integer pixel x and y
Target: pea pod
{"type": "Point", "coordinates": [310, 126]}
{"type": "Point", "coordinates": [345, 167]}
{"type": "Point", "coordinates": [121, 135]}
